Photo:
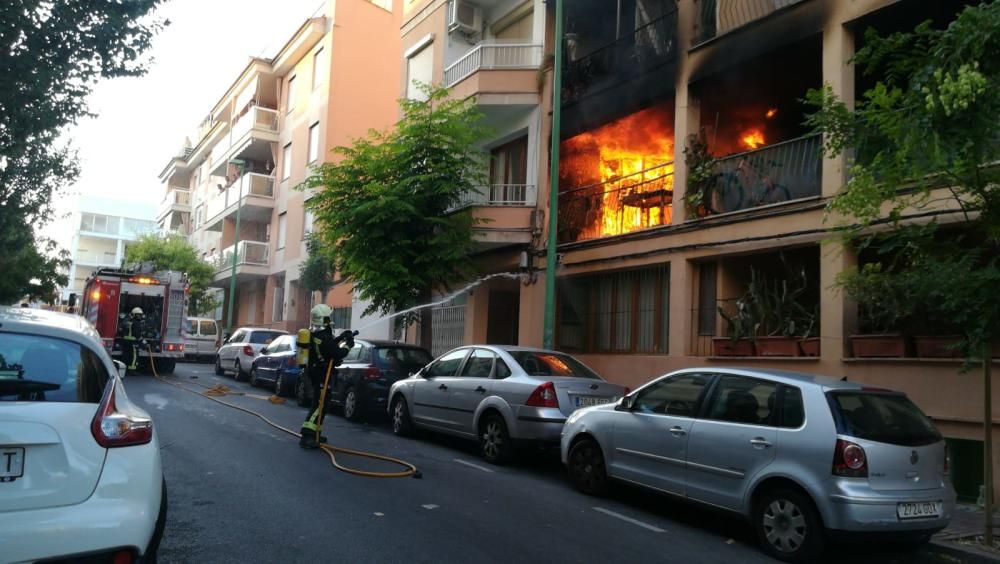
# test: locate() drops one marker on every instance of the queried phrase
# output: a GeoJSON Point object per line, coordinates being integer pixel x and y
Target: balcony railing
{"type": "Point", "coordinates": [487, 56]}
{"type": "Point", "coordinates": [251, 183]}
{"type": "Point", "coordinates": [514, 195]}
{"type": "Point", "coordinates": [651, 45]}
{"type": "Point", "coordinates": [175, 196]}
{"type": "Point", "coordinates": [717, 17]}
{"type": "Point", "coordinates": [97, 257]}
{"type": "Point", "coordinates": [257, 118]}
{"type": "Point", "coordinates": [253, 253]}
{"type": "Point", "coordinates": [618, 206]}
{"type": "Point", "coordinates": [774, 174]}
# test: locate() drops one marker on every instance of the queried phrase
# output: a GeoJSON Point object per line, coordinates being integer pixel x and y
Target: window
{"type": "Point", "coordinates": [743, 400]}
{"type": "Point", "coordinates": [278, 309]}
{"type": "Point", "coordinates": [616, 312]}
{"type": "Point", "coordinates": [282, 223]}
{"type": "Point", "coordinates": [313, 142]}
{"type": "Point", "coordinates": [402, 358]}
{"type": "Point", "coordinates": [672, 396]}
{"type": "Point", "coordinates": [502, 371]}
{"type": "Point", "coordinates": [551, 364]}
{"type": "Point", "coordinates": [264, 337]}
{"type": "Point", "coordinates": [37, 368]}
{"type": "Point", "coordinates": [509, 172]}
{"type": "Point", "coordinates": [238, 337]}
{"type": "Point", "coordinates": [307, 223]}
{"type": "Point", "coordinates": [281, 344]}
{"type": "Point", "coordinates": [341, 317]}
{"type": "Point", "coordinates": [290, 96]}
{"type": "Point", "coordinates": [882, 417]}
{"type": "Point", "coordinates": [793, 414]}
{"type": "Point", "coordinates": [353, 354]}
{"type": "Point", "coordinates": [479, 365]}
{"type": "Point", "coordinates": [448, 364]}
{"type": "Point", "coordinates": [286, 162]}
{"type": "Point", "coordinates": [208, 328]}
{"type": "Point", "coordinates": [707, 275]}
{"type": "Point", "coordinates": [419, 70]}
{"type": "Point", "coordinates": [517, 30]}
{"type": "Point", "coordinates": [319, 68]}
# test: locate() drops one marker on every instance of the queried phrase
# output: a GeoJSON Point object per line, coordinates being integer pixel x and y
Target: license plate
{"type": "Point", "coordinates": [11, 463]}
{"type": "Point", "coordinates": [587, 401]}
{"type": "Point", "coordinates": [918, 510]}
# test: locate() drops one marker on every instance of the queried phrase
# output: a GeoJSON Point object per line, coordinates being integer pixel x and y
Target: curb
{"type": "Point", "coordinates": [963, 553]}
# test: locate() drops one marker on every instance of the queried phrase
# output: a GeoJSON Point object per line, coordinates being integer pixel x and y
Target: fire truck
{"type": "Point", "coordinates": [111, 294]}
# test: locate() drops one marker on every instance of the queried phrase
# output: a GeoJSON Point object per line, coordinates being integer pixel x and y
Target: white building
{"type": "Point", "coordinates": [103, 228]}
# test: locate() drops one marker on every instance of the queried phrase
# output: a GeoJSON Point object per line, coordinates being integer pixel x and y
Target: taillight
{"type": "Point", "coordinates": [174, 347]}
{"type": "Point", "coordinates": [849, 460]}
{"type": "Point", "coordinates": [291, 362]}
{"type": "Point", "coordinates": [248, 350]}
{"type": "Point", "coordinates": [373, 373]}
{"type": "Point", "coordinates": [123, 557]}
{"type": "Point", "coordinates": [543, 396]}
{"type": "Point", "coordinates": [113, 428]}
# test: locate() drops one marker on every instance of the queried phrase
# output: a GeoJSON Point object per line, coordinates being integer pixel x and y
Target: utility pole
{"type": "Point", "coordinates": [988, 443]}
{"type": "Point", "coordinates": [240, 164]}
{"type": "Point", "coordinates": [548, 331]}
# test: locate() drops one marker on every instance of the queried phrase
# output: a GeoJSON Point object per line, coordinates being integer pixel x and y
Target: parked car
{"type": "Point", "coordinates": [238, 351]}
{"type": "Point", "coordinates": [498, 394]}
{"type": "Point", "coordinates": [80, 474]}
{"type": "Point", "coordinates": [367, 372]}
{"type": "Point", "coordinates": [201, 338]}
{"type": "Point", "coordinates": [800, 456]}
{"type": "Point", "coordinates": [277, 364]}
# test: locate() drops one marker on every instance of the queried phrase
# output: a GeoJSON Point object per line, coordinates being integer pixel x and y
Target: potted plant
{"type": "Point", "coordinates": [883, 305]}
{"type": "Point", "coordinates": [809, 343]}
{"type": "Point", "coordinates": [780, 311]}
{"type": "Point", "coordinates": [702, 177]}
{"type": "Point", "coordinates": [741, 328]}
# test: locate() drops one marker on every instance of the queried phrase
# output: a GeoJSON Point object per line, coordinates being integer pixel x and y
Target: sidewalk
{"type": "Point", "coordinates": [966, 521]}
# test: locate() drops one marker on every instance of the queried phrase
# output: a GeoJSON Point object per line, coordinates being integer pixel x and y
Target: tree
{"type": "Point", "coordinates": [316, 272]}
{"type": "Point", "coordinates": [386, 208]}
{"type": "Point", "coordinates": [925, 139]}
{"type": "Point", "coordinates": [52, 55]}
{"type": "Point", "coordinates": [173, 252]}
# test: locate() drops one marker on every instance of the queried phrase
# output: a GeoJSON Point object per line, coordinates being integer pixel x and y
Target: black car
{"type": "Point", "coordinates": [367, 372]}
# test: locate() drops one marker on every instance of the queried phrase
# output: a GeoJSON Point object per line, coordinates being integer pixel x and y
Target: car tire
{"type": "Point", "coordinates": [494, 440]}
{"type": "Point", "coordinates": [165, 366]}
{"type": "Point", "coordinates": [237, 371]}
{"type": "Point", "coordinates": [788, 526]}
{"type": "Point", "coordinates": [587, 469]}
{"type": "Point", "coordinates": [301, 395]}
{"type": "Point", "coordinates": [351, 409]}
{"type": "Point", "coordinates": [279, 385]}
{"type": "Point", "coordinates": [218, 366]}
{"type": "Point", "coordinates": [402, 424]}
{"type": "Point", "coordinates": [253, 377]}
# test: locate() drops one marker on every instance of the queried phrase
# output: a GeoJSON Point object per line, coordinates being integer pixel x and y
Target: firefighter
{"type": "Point", "coordinates": [130, 329]}
{"type": "Point", "coordinates": [325, 353]}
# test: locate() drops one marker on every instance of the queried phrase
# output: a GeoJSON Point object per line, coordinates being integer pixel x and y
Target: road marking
{"type": "Point", "coordinates": [377, 514]}
{"type": "Point", "coordinates": [476, 466]}
{"type": "Point", "coordinates": [629, 520]}
{"type": "Point", "coordinates": [429, 506]}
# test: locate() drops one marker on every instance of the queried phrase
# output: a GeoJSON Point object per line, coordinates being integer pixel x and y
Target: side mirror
{"type": "Point", "coordinates": [263, 350]}
{"type": "Point", "coordinates": [121, 368]}
{"type": "Point", "coordinates": [625, 404]}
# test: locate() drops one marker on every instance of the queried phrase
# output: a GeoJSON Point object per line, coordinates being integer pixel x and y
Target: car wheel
{"type": "Point", "coordinates": [586, 467]}
{"type": "Point", "coordinates": [165, 366]}
{"type": "Point", "coordinates": [218, 366]}
{"type": "Point", "coordinates": [352, 411]}
{"type": "Point", "coordinates": [402, 425]}
{"type": "Point", "coordinates": [788, 527]}
{"type": "Point", "coordinates": [237, 371]}
{"type": "Point", "coordinates": [253, 377]}
{"type": "Point", "coordinates": [279, 384]}
{"type": "Point", "coordinates": [494, 440]}
{"type": "Point", "coordinates": [301, 396]}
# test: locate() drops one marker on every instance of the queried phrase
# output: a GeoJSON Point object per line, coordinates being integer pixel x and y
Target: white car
{"type": "Point", "coordinates": [238, 351]}
{"type": "Point", "coordinates": [80, 471]}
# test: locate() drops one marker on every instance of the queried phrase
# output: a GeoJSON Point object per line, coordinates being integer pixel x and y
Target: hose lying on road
{"type": "Point", "coordinates": [331, 451]}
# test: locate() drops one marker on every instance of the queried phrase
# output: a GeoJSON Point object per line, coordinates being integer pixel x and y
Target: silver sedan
{"type": "Point", "coordinates": [498, 395]}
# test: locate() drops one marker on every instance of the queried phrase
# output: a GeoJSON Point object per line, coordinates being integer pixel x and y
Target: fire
{"type": "Point", "coordinates": [752, 138]}
{"type": "Point", "coordinates": [771, 113]}
{"type": "Point", "coordinates": [629, 164]}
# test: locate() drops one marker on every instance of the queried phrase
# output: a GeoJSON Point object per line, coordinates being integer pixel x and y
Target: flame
{"type": "Point", "coordinates": [771, 113]}
{"type": "Point", "coordinates": [752, 138]}
{"type": "Point", "coordinates": [629, 162]}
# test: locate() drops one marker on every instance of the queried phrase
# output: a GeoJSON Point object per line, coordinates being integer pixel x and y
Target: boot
{"type": "Point", "coordinates": [308, 441]}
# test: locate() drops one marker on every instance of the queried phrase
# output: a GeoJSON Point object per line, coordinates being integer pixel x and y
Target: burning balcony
{"type": "Point", "coordinates": [618, 178]}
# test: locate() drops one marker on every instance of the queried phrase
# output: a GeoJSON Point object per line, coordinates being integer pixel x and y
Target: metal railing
{"type": "Point", "coordinates": [782, 172]}
{"type": "Point", "coordinates": [251, 183]}
{"type": "Point", "coordinates": [447, 328]}
{"type": "Point", "coordinates": [618, 206]}
{"type": "Point", "coordinates": [648, 46]}
{"type": "Point", "coordinates": [515, 195]}
{"type": "Point", "coordinates": [257, 118]}
{"type": "Point", "coordinates": [255, 253]}
{"type": "Point", "coordinates": [488, 56]}
{"type": "Point", "coordinates": [718, 17]}
{"type": "Point", "coordinates": [97, 257]}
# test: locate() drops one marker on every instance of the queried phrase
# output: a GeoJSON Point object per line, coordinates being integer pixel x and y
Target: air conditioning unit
{"type": "Point", "coordinates": [464, 17]}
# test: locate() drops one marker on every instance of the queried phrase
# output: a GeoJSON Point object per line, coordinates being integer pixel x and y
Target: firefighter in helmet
{"type": "Point", "coordinates": [325, 353]}
{"type": "Point", "coordinates": [130, 330]}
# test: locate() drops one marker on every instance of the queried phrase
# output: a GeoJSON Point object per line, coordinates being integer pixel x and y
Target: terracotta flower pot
{"type": "Point", "coordinates": [724, 346]}
{"type": "Point", "coordinates": [809, 346]}
{"type": "Point", "coordinates": [937, 346]}
{"type": "Point", "coordinates": [878, 346]}
{"type": "Point", "coordinates": [777, 346]}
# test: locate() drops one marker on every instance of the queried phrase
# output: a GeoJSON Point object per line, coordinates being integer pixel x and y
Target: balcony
{"type": "Point", "coordinates": [97, 258]}
{"type": "Point", "coordinates": [255, 192]}
{"type": "Point", "coordinates": [252, 259]}
{"type": "Point", "coordinates": [509, 195]}
{"type": "Point", "coordinates": [176, 200]}
{"type": "Point", "coordinates": [775, 174]}
{"type": "Point", "coordinates": [496, 72]}
{"type": "Point", "coordinates": [506, 211]}
{"type": "Point", "coordinates": [718, 17]}
{"type": "Point", "coordinates": [249, 137]}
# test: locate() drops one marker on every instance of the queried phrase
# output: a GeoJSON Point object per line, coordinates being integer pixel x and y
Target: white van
{"type": "Point", "coordinates": [201, 338]}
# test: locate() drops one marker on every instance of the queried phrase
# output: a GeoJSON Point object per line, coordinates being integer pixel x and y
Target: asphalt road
{"type": "Point", "coordinates": [241, 491]}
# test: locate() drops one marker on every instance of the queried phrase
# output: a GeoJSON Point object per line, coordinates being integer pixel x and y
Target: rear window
{"type": "Point", "coordinates": [208, 328]}
{"type": "Point", "coordinates": [37, 368]}
{"type": "Point", "coordinates": [551, 364]}
{"type": "Point", "coordinates": [403, 356]}
{"type": "Point", "coordinates": [883, 418]}
{"type": "Point", "coordinates": [264, 337]}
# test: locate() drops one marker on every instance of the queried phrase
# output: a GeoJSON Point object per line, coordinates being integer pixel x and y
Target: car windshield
{"type": "Point", "coordinates": [882, 417]}
{"type": "Point", "coordinates": [264, 337]}
{"type": "Point", "coordinates": [37, 368]}
{"type": "Point", "coordinates": [409, 357]}
{"type": "Point", "coordinates": [536, 363]}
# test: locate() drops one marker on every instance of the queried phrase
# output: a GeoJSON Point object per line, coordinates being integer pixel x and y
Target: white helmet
{"type": "Point", "coordinates": [137, 311]}
{"type": "Point", "coordinates": [318, 313]}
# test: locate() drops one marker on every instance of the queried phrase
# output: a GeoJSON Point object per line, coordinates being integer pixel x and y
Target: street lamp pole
{"type": "Point", "coordinates": [236, 248]}
{"type": "Point", "coordinates": [548, 332]}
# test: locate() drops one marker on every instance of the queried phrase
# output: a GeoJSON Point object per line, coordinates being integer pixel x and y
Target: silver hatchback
{"type": "Point", "coordinates": [800, 456]}
{"type": "Point", "coordinates": [498, 395]}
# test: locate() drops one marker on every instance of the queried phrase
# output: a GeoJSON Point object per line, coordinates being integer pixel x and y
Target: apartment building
{"type": "Point", "coordinates": [103, 230]}
{"type": "Point", "coordinates": [233, 193]}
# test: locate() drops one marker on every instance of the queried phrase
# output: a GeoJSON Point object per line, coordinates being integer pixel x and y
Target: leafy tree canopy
{"type": "Point", "coordinates": [175, 253]}
{"type": "Point", "coordinates": [316, 271]}
{"type": "Point", "coordinates": [385, 208]}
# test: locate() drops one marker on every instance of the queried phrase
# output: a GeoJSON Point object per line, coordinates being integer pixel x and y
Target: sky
{"type": "Point", "coordinates": [142, 122]}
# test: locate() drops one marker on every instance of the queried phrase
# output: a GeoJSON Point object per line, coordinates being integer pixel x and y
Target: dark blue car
{"type": "Point", "coordinates": [276, 365]}
{"type": "Point", "coordinates": [370, 368]}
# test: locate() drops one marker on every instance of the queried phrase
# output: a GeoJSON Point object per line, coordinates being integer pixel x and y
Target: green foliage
{"type": "Point", "coordinates": [702, 176]}
{"type": "Point", "coordinates": [773, 306]}
{"type": "Point", "coordinates": [175, 253]}
{"type": "Point", "coordinates": [53, 54]}
{"type": "Point", "coordinates": [384, 208]}
{"type": "Point", "coordinates": [925, 137]}
{"type": "Point", "coordinates": [316, 271]}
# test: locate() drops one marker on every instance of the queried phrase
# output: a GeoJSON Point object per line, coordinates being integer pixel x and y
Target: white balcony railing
{"type": "Point", "coordinates": [251, 183]}
{"type": "Point", "coordinates": [257, 118]}
{"type": "Point", "coordinates": [175, 196]}
{"type": "Point", "coordinates": [97, 257]}
{"type": "Point", "coordinates": [254, 253]}
{"type": "Point", "coordinates": [487, 56]}
{"type": "Point", "coordinates": [510, 195]}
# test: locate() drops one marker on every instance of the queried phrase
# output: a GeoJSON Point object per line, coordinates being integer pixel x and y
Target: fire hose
{"type": "Point", "coordinates": [330, 450]}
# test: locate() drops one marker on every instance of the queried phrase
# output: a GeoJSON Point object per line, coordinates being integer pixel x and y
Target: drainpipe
{"type": "Point", "coordinates": [236, 248]}
{"type": "Point", "coordinates": [548, 333]}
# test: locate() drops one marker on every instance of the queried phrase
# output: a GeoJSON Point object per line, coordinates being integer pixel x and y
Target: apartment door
{"type": "Point", "coordinates": [509, 172]}
{"type": "Point", "coordinates": [502, 317]}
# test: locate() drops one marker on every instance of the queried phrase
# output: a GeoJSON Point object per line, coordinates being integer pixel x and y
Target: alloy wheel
{"type": "Point", "coordinates": [492, 440]}
{"type": "Point", "coordinates": [397, 416]}
{"type": "Point", "coordinates": [350, 400]}
{"type": "Point", "coordinates": [784, 526]}
{"type": "Point", "coordinates": [278, 385]}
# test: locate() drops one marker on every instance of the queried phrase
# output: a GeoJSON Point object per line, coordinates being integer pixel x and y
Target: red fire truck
{"type": "Point", "coordinates": [109, 298]}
